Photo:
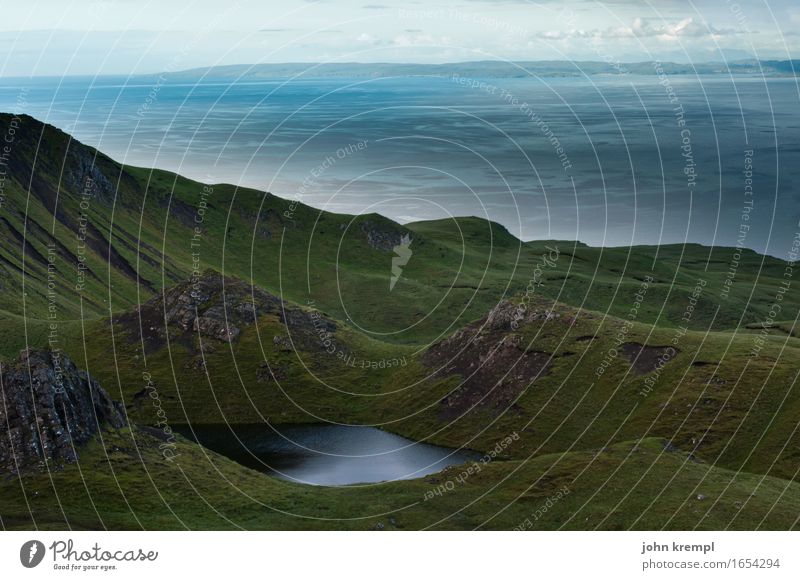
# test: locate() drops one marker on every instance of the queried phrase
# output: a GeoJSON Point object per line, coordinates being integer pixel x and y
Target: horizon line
{"type": "Point", "coordinates": [612, 65]}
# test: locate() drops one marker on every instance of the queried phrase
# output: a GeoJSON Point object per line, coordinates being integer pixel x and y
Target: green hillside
{"type": "Point", "coordinates": [134, 231]}
{"type": "Point", "coordinates": [637, 377]}
{"type": "Point", "coordinates": [632, 485]}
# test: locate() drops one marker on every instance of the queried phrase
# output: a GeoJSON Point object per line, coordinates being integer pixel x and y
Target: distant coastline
{"type": "Point", "coordinates": [483, 69]}
{"type": "Point", "coordinates": [487, 69]}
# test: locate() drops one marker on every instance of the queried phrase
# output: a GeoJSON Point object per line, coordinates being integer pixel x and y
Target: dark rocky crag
{"type": "Point", "coordinates": [494, 363]}
{"type": "Point", "coordinates": [218, 307]}
{"type": "Point", "coordinates": [383, 235]}
{"type": "Point", "coordinates": [49, 409]}
{"type": "Point", "coordinates": [208, 304]}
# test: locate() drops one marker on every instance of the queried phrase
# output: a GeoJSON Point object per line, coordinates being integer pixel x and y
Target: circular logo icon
{"type": "Point", "coordinates": [31, 553]}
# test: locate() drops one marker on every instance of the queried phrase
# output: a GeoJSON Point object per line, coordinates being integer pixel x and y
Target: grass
{"type": "Point", "coordinates": [127, 484]}
{"type": "Point", "coordinates": [726, 401]}
{"type": "Point", "coordinates": [712, 398]}
{"type": "Point", "coordinates": [142, 235]}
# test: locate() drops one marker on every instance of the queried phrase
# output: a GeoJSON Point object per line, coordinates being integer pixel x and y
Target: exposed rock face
{"type": "Point", "coordinates": [508, 316]}
{"type": "Point", "coordinates": [217, 307]}
{"type": "Point", "coordinates": [383, 236]}
{"type": "Point", "coordinates": [86, 176]}
{"type": "Point", "coordinates": [50, 408]}
{"type": "Point", "coordinates": [495, 365]}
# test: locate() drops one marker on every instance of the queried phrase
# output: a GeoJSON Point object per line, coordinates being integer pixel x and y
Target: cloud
{"type": "Point", "coordinates": [404, 40]}
{"type": "Point", "coordinates": [643, 28]}
{"type": "Point", "coordinates": [366, 38]}
{"type": "Point", "coordinates": [416, 40]}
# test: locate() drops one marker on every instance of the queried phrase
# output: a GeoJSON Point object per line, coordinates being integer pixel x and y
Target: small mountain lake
{"type": "Point", "coordinates": [326, 454]}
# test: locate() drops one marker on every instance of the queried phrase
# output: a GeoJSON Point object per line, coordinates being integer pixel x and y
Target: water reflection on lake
{"type": "Point", "coordinates": [327, 454]}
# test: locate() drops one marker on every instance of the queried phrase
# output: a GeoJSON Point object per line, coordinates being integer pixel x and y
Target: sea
{"type": "Point", "coordinates": [608, 160]}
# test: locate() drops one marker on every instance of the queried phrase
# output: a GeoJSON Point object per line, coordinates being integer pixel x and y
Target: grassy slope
{"type": "Point", "coordinates": [609, 489]}
{"type": "Point", "coordinates": [144, 221]}
{"type": "Point", "coordinates": [735, 419]}
{"type": "Point", "coordinates": [712, 398]}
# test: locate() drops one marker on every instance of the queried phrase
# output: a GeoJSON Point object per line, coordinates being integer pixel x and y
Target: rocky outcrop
{"type": "Point", "coordinates": [218, 307]}
{"type": "Point", "coordinates": [494, 364]}
{"type": "Point", "coordinates": [49, 409]}
{"type": "Point", "coordinates": [383, 235]}
{"type": "Point", "coordinates": [210, 304]}
{"type": "Point", "coordinates": [215, 306]}
{"type": "Point", "coordinates": [86, 177]}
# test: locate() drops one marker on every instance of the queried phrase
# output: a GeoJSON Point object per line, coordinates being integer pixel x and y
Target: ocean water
{"type": "Point", "coordinates": [607, 160]}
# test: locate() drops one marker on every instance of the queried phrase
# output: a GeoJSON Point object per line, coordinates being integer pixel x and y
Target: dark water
{"type": "Point", "coordinates": [327, 454]}
{"type": "Point", "coordinates": [435, 147]}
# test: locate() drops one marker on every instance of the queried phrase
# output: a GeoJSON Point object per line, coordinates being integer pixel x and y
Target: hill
{"type": "Point", "coordinates": [83, 237]}
{"type": "Point", "coordinates": [132, 487]}
{"type": "Point", "coordinates": [640, 378]}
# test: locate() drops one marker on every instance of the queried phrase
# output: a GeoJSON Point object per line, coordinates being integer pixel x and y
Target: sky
{"type": "Point", "coordinates": [91, 37]}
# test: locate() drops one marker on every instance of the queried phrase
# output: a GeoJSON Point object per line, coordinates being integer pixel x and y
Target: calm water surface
{"type": "Point", "coordinates": [327, 454]}
{"type": "Point", "coordinates": [433, 147]}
